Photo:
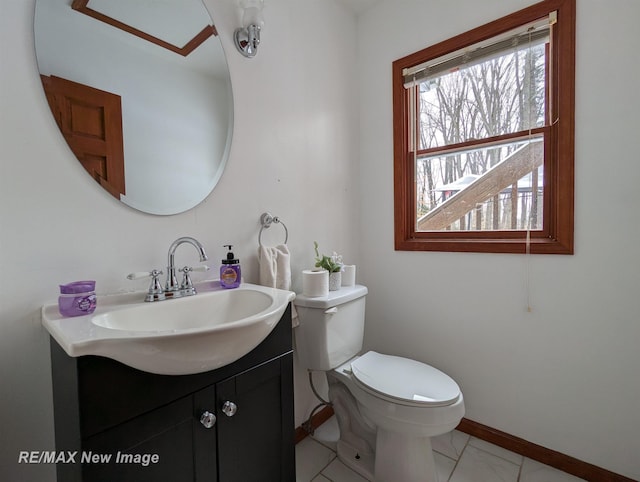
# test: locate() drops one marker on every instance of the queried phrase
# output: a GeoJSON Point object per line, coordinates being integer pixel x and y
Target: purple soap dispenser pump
{"type": "Point", "coordinates": [230, 270]}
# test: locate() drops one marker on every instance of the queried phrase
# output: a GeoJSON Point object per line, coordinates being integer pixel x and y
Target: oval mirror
{"type": "Point", "coordinates": [141, 92]}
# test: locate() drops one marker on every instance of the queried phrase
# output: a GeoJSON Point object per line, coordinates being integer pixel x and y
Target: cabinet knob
{"type": "Point", "coordinates": [229, 408]}
{"type": "Point", "coordinates": [207, 419]}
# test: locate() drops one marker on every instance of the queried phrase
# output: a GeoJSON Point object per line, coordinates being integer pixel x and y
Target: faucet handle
{"type": "Point", "coordinates": [155, 293]}
{"type": "Point", "coordinates": [187, 284]}
{"type": "Point", "coordinates": [186, 279]}
{"type": "Point", "coordinates": [189, 269]}
{"type": "Point", "coordinates": [203, 268]}
{"type": "Point", "coordinates": [144, 274]}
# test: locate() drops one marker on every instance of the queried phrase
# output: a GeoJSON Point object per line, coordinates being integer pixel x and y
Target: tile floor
{"type": "Point", "coordinates": [458, 457]}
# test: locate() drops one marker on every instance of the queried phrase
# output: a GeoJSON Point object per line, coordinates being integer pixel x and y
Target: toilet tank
{"type": "Point", "coordinates": [331, 327]}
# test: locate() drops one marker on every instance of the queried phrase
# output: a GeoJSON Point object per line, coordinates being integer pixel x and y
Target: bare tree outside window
{"type": "Point", "coordinates": [497, 97]}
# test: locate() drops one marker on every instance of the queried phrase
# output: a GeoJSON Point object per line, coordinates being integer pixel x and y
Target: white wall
{"type": "Point", "coordinates": [566, 375]}
{"type": "Point", "coordinates": [293, 155]}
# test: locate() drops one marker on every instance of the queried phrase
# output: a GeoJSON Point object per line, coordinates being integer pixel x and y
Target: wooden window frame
{"type": "Point", "coordinates": [556, 236]}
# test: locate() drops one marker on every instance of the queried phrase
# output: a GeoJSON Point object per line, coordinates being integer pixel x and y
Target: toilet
{"type": "Point", "coordinates": [387, 407]}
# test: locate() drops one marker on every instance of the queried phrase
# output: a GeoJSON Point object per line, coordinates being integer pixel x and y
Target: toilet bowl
{"type": "Point", "coordinates": [387, 407]}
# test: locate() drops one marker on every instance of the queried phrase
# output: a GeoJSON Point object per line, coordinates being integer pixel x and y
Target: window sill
{"type": "Point", "coordinates": [494, 245]}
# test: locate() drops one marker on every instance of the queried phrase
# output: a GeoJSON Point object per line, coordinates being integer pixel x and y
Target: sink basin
{"type": "Point", "coordinates": [205, 310]}
{"type": "Point", "coordinates": [173, 337]}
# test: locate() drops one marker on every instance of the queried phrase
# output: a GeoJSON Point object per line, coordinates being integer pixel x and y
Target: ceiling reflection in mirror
{"type": "Point", "coordinates": [150, 123]}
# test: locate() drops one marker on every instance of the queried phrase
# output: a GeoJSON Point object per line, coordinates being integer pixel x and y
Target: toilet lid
{"type": "Point", "coordinates": [404, 380]}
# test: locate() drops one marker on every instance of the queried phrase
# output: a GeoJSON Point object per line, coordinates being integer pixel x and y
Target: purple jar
{"type": "Point", "coordinates": [77, 298]}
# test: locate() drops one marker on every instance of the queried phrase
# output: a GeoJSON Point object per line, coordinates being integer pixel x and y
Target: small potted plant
{"type": "Point", "coordinates": [333, 264]}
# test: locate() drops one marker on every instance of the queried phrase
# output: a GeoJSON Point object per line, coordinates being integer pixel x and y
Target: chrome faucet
{"type": "Point", "coordinates": [172, 288]}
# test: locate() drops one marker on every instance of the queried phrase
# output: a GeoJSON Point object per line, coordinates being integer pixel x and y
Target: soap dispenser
{"type": "Point", "coordinates": [230, 270]}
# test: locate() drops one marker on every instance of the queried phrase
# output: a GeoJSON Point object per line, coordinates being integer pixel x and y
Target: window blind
{"type": "Point", "coordinates": [526, 36]}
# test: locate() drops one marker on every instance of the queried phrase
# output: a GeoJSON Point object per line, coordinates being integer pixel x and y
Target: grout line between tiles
{"type": "Point", "coordinates": [455, 466]}
{"type": "Point", "coordinates": [323, 443]}
{"type": "Point", "coordinates": [520, 471]}
{"type": "Point", "coordinates": [519, 464]}
{"type": "Point", "coordinates": [335, 457]}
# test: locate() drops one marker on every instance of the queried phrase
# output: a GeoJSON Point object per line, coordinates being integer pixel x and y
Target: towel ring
{"type": "Point", "coordinates": [265, 220]}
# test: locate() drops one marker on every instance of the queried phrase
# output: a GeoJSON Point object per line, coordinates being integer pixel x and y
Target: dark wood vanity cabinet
{"type": "Point", "coordinates": [128, 425]}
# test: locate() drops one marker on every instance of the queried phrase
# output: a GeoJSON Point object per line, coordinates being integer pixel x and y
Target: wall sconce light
{"type": "Point", "coordinates": [247, 37]}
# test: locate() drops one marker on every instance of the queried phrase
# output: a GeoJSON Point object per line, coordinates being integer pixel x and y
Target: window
{"type": "Point", "coordinates": [484, 137]}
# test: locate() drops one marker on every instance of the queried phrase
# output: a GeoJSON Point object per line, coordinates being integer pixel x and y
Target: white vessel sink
{"type": "Point", "coordinates": [173, 337]}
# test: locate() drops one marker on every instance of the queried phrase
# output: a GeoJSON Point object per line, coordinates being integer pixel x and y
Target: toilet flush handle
{"type": "Point", "coordinates": [331, 311]}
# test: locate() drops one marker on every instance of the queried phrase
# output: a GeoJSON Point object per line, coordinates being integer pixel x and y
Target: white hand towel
{"type": "Point", "coordinates": [275, 270]}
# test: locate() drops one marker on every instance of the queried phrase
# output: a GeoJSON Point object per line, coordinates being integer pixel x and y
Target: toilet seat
{"type": "Point", "coordinates": [404, 381]}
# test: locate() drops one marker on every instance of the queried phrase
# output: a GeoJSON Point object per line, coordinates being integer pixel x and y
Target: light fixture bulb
{"type": "Point", "coordinates": [252, 16]}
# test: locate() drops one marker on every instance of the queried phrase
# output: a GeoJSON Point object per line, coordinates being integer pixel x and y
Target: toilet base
{"type": "Point", "coordinates": [396, 459]}
{"type": "Point", "coordinates": [356, 446]}
{"type": "Point", "coordinates": [403, 458]}
{"type": "Point", "coordinates": [361, 463]}
{"type": "Point", "coordinates": [375, 453]}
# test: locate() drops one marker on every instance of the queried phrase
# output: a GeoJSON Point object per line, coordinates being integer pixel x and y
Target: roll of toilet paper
{"type": "Point", "coordinates": [349, 275]}
{"type": "Point", "coordinates": [315, 283]}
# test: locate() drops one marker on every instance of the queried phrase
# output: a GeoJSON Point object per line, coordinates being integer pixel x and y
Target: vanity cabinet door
{"type": "Point", "coordinates": [167, 433]}
{"type": "Point", "coordinates": [255, 424]}
{"type": "Point", "coordinates": [181, 434]}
